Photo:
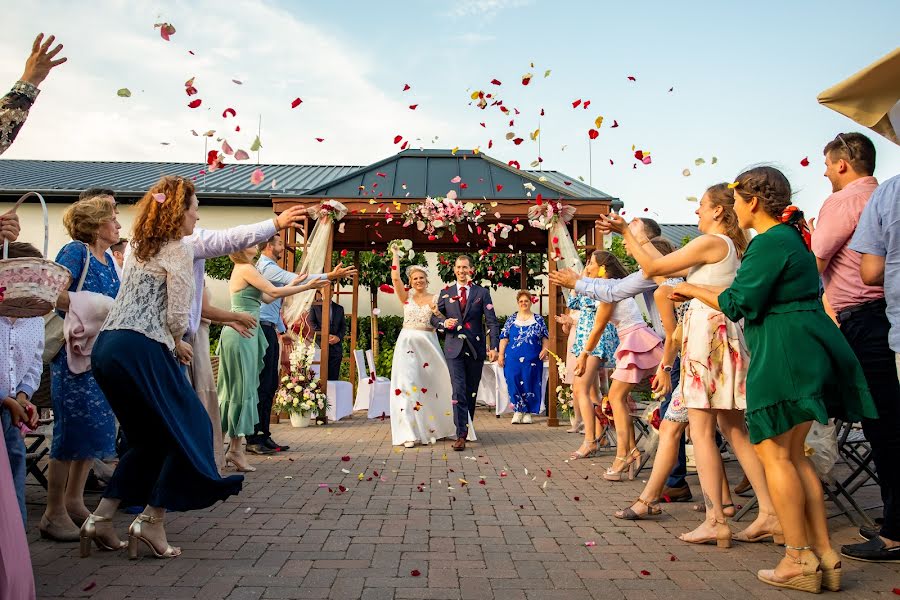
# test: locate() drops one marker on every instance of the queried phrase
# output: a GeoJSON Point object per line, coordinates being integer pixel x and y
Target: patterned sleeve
{"type": "Point", "coordinates": [177, 259]}
{"type": "Point", "coordinates": [573, 302]}
{"type": "Point", "coordinates": [504, 333]}
{"type": "Point", "coordinates": [72, 256]}
{"type": "Point", "coordinates": [541, 327]}
{"type": "Point", "coordinates": [14, 108]}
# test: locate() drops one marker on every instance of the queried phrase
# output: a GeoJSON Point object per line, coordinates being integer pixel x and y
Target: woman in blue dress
{"type": "Point", "coordinates": [84, 426]}
{"type": "Point", "coordinates": [586, 387]}
{"type": "Point", "coordinates": [523, 347]}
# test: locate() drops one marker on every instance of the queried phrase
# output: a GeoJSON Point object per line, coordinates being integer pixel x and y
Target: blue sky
{"type": "Point", "coordinates": [745, 80]}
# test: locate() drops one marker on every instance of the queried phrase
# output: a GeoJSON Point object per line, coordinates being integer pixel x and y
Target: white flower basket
{"type": "Point", "coordinates": [298, 420]}
{"type": "Point", "coordinates": [32, 284]}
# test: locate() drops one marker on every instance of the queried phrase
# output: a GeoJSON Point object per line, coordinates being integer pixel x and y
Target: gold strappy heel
{"type": "Point", "coordinates": [89, 533]}
{"type": "Point", "coordinates": [135, 534]}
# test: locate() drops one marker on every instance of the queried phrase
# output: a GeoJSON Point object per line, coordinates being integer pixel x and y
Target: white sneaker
{"type": "Point", "coordinates": [527, 419]}
{"type": "Point", "coordinates": [517, 418]}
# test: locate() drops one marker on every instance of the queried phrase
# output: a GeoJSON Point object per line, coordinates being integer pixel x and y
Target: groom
{"type": "Point", "coordinates": [465, 306]}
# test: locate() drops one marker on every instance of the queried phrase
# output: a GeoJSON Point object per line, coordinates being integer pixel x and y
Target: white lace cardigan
{"type": "Point", "coordinates": [155, 296]}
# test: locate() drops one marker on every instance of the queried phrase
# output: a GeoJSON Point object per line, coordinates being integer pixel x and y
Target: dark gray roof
{"type": "Point", "coordinates": [676, 233]}
{"type": "Point", "coordinates": [135, 178]}
{"type": "Point", "coordinates": [421, 173]}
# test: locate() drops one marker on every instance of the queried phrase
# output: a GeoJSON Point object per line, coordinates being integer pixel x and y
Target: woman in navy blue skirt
{"type": "Point", "coordinates": [137, 362]}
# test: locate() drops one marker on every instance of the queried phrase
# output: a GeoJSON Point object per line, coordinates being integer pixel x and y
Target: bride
{"type": "Point", "coordinates": [421, 410]}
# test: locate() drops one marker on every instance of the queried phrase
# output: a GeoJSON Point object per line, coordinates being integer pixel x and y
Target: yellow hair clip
{"type": "Point", "coordinates": [601, 272]}
{"type": "Point", "coordinates": [733, 185]}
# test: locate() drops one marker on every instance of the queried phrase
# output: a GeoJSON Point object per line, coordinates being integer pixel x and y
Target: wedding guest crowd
{"type": "Point", "coordinates": [739, 345]}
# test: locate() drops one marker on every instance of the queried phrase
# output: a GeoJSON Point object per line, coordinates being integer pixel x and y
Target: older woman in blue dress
{"type": "Point", "coordinates": [84, 426]}
{"type": "Point", "coordinates": [523, 347]}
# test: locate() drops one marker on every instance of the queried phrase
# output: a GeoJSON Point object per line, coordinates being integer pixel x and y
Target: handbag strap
{"type": "Point", "coordinates": [84, 270]}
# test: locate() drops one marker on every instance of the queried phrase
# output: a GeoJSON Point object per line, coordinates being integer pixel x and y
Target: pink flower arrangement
{"type": "Point", "coordinates": [436, 215]}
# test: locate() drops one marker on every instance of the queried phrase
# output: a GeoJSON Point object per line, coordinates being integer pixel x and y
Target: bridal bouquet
{"type": "Point", "coordinates": [299, 392]}
{"type": "Point", "coordinates": [404, 248]}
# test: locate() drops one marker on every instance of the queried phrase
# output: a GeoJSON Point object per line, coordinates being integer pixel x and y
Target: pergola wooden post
{"type": "Point", "coordinates": [360, 234]}
{"type": "Point", "coordinates": [354, 327]}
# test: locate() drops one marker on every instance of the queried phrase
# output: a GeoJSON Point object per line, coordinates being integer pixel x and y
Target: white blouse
{"type": "Point", "coordinates": [155, 297]}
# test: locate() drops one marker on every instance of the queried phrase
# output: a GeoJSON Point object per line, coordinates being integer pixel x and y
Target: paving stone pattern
{"type": "Point", "coordinates": [403, 534]}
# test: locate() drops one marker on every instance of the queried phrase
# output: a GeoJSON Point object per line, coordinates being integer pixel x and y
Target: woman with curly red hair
{"type": "Point", "coordinates": [137, 362]}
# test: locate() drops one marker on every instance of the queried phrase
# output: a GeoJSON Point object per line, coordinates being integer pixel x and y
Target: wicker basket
{"type": "Point", "coordinates": [31, 285]}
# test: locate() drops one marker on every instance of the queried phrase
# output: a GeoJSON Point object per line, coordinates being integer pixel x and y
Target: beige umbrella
{"type": "Point", "coordinates": [871, 97]}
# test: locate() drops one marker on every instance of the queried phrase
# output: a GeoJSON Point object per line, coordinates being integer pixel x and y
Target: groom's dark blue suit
{"type": "Point", "coordinates": [465, 348]}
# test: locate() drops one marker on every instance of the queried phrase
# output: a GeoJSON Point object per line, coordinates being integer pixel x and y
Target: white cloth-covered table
{"type": "Point", "coordinates": [493, 392]}
{"type": "Point", "coordinates": [340, 394]}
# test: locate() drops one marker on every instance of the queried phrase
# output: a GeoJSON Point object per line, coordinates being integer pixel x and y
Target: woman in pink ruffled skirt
{"type": "Point", "coordinates": [637, 357]}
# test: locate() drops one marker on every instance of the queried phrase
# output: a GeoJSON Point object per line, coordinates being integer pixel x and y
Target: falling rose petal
{"type": "Point", "coordinates": [415, 572]}
{"type": "Point", "coordinates": [166, 30]}
{"type": "Point", "coordinates": [397, 139]}
{"type": "Point", "coordinates": [590, 544]}
{"type": "Point", "coordinates": [256, 145]}
{"type": "Point", "coordinates": [226, 148]}
{"type": "Point", "coordinates": [515, 163]}
{"type": "Point", "coordinates": [404, 147]}
{"type": "Point", "coordinates": [406, 87]}
{"type": "Point", "coordinates": [598, 122]}
{"type": "Point", "coordinates": [237, 81]}
{"type": "Point", "coordinates": [342, 489]}
{"type": "Point", "coordinates": [631, 78]}
{"type": "Point", "coordinates": [586, 104]}
{"type": "Point", "coordinates": [257, 177]}
{"type": "Point", "coordinates": [645, 573]}
{"type": "Point", "coordinates": [159, 197]}
{"type": "Point", "coordinates": [646, 160]}
{"type": "Point", "coordinates": [456, 179]}
{"type": "Point", "coordinates": [526, 78]}
{"type": "Point", "coordinates": [345, 459]}
{"type": "Point", "coordinates": [576, 103]}
{"type": "Point", "coordinates": [577, 498]}
{"type": "Point", "coordinates": [499, 187]}
{"type": "Point", "coordinates": [496, 82]}
{"type": "Point", "coordinates": [593, 133]}
{"type": "Point", "coordinates": [614, 125]}
{"type": "Point", "coordinates": [413, 106]}
{"type": "Point", "coordinates": [672, 558]}
{"type": "Point", "coordinates": [548, 473]}
{"type": "Point", "coordinates": [804, 162]}
{"type": "Point", "coordinates": [518, 141]}
{"type": "Point", "coordinates": [320, 140]}
{"type": "Point", "coordinates": [296, 102]}
{"type": "Point", "coordinates": [229, 111]}
{"type": "Point", "coordinates": [195, 103]}
{"type": "Point", "coordinates": [241, 155]}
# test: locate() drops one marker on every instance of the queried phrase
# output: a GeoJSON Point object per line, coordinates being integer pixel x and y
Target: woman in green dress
{"type": "Point", "coordinates": [241, 358]}
{"type": "Point", "coordinates": [801, 370]}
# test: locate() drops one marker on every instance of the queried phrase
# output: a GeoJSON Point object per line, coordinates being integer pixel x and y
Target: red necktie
{"type": "Point", "coordinates": [462, 300]}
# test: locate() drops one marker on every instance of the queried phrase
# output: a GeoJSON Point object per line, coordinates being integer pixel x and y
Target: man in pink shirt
{"type": "Point", "coordinates": [860, 310]}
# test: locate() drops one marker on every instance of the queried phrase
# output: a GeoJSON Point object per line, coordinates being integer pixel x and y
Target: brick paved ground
{"type": "Point", "coordinates": [516, 537]}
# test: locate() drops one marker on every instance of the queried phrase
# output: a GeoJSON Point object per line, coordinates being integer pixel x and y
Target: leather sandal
{"type": "Point", "coordinates": [628, 514]}
{"type": "Point", "coordinates": [135, 534]}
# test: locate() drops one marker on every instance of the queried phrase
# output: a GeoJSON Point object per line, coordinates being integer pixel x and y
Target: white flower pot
{"type": "Point", "coordinates": [299, 420]}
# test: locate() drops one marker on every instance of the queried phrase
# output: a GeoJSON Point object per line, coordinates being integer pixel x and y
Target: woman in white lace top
{"type": "Point", "coordinates": [137, 360]}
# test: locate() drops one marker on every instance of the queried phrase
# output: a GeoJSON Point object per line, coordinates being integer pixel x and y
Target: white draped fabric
{"type": "Point", "coordinates": [313, 264]}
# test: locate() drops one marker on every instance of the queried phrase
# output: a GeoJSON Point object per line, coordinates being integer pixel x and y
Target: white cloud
{"type": "Point", "coordinates": [484, 8]}
{"type": "Point", "coordinates": [276, 55]}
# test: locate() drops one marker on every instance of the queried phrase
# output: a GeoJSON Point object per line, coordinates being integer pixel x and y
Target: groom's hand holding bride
{"type": "Point", "coordinates": [492, 356]}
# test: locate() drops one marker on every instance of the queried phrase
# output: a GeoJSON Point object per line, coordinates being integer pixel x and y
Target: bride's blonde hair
{"type": "Point", "coordinates": [413, 268]}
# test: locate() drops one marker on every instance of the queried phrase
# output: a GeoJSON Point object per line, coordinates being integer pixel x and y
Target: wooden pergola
{"type": "Point", "coordinates": [365, 227]}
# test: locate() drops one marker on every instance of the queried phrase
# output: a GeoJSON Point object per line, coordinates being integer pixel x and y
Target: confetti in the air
{"type": "Point", "coordinates": [297, 102]}
{"type": "Point", "coordinates": [124, 93]}
{"type": "Point", "coordinates": [165, 30]}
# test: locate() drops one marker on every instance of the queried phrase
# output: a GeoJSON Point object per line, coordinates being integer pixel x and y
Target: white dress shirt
{"type": "Point", "coordinates": [21, 346]}
{"type": "Point", "coordinates": [615, 290]}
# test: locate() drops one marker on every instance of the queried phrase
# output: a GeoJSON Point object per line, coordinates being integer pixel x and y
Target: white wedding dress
{"type": "Point", "coordinates": [423, 410]}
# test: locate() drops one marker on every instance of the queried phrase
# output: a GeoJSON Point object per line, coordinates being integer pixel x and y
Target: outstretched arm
{"type": "Point", "coordinates": [396, 280]}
